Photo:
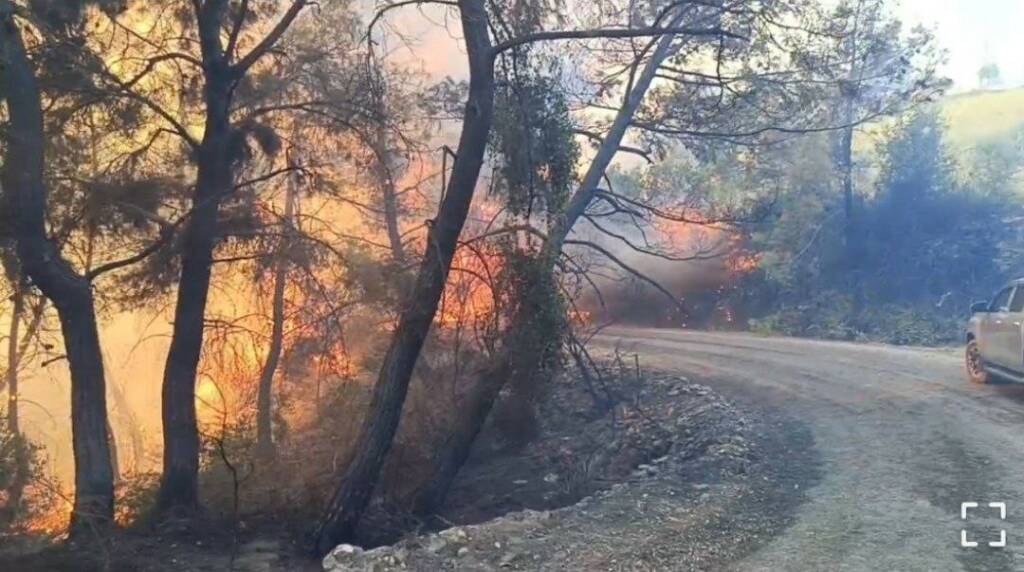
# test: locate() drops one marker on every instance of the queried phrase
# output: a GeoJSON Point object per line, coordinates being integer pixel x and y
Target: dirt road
{"type": "Point", "coordinates": [903, 439]}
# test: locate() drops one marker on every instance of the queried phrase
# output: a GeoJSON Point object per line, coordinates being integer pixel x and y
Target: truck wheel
{"type": "Point", "coordinates": [975, 369]}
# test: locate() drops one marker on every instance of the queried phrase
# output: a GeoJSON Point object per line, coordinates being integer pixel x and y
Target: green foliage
{"type": "Point", "coordinates": [537, 314]}
{"type": "Point", "coordinates": [535, 305]}
{"type": "Point", "coordinates": [832, 316]}
{"type": "Point", "coordinates": [931, 238]}
{"type": "Point", "coordinates": [534, 145]}
{"type": "Point", "coordinates": [928, 235]}
{"type": "Point", "coordinates": [989, 75]}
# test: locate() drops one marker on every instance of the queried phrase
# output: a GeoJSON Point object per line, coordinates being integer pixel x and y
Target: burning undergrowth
{"type": "Point", "coordinates": [686, 275]}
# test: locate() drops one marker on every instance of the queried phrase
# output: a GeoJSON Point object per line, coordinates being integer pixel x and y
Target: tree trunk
{"type": "Point", "coordinates": [70, 292]}
{"type": "Point", "coordinates": [17, 484]}
{"type": "Point", "coordinates": [179, 487]}
{"type": "Point", "coordinates": [845, 160]}
{"type": "Point", "coordinates": [850, 233]}
{"type": "Point", "coordinates": [455, 452]}
{"type": "Point", "coordinates": [264, 426]}
{"type": "Point", "coordinates": [389, 194]}
{"type": "Point", "coordinates": [352, 496]}
{"type": "Point", "coordinates": [13, 364]}
{"type": "Point", "coordinates": [130, 424]}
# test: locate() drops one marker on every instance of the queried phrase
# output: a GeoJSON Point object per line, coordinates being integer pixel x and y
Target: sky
{"type": "Point", "coordinates": [974, 32]}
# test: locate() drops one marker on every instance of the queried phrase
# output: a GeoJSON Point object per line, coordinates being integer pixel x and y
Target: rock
{"type": "Point", "coordinates": [538, 515]}
{"type": "Point", "coordinates": [455, 534]}
{"type": "Point", "coordinates": [551, 478]}
{"type": "Point", "coordinates": [341, 557]}
{"type": "Point", "coordinates": [436, 544]}
{"type": "Point", "coordinates": [463, 551]}
{"type": "Point", "coordinates": [508, 559]}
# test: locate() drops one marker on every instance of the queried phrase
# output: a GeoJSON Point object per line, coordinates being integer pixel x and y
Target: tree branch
{"type": "Point", "coordinates": [646, 155]}
{"type": "Point", "coordinates": [604, 251]}
{"type": "Point", "coordinates": [243, 10]}
{"type": "Point", "coordinates": [270, 40]}
{"type": "Point", "coordinates": [609, 33]}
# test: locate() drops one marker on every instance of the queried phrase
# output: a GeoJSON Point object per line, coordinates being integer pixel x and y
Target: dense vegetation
{"type": "Point", "coordinates": [935, 233]}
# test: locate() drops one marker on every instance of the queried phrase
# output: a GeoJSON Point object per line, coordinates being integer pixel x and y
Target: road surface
{"type": "Point", "coordinates": [903, 439]}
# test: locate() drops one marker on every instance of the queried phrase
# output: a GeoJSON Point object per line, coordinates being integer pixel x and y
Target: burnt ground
{"type": "Point", "coordinates": [678, 478]}
{"type": "Point", "coordinates": [640, 470]}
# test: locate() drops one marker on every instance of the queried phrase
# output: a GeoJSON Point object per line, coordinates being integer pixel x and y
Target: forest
{"type": "Point", "coordinates": [288, 266]}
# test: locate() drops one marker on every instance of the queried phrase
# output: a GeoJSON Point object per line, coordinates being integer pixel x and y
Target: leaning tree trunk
{"type": "Point", "coordinates": [179, 486]}
{"type": "Point", "coordinates": [455, 452]}
{"type": "Point", "coordinates": [70, 292]}
{"type": "Point", "coordinates": [264, 426]}
{"type": "Point", "coordinates": [352, 496]}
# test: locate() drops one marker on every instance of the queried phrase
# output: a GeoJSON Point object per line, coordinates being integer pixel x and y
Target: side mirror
{"type": "Point", "coordinates": [979, 307]}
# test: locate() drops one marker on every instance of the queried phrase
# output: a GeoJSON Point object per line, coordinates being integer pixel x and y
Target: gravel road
{"type": "Point", "coordinates": [902, 438]}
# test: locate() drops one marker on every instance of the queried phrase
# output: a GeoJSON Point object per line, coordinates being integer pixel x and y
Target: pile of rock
{"type": "Point", "coordinates": [494, 545]}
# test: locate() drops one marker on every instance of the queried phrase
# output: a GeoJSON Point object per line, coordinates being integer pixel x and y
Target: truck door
{"type": "Point", "coordinates": [997, 331]}
{"type": "Point", "coordinates": [1014, 332]}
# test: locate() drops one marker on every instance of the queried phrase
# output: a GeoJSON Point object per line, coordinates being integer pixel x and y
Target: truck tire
{"type": "Point", "coordinates": [972, 360]}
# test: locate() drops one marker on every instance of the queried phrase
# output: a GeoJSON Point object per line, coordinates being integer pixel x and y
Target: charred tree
{"type": "Point", "coordinates": [179, 483]}
{"type": "Point", "coordinates": [352, 496]}
{"type": "Point", "coordinates": [70, 292]}
{"type": "Point", "coordinates": [214, 182]}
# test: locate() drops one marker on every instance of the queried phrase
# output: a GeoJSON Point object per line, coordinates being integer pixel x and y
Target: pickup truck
{"type": "Point", "coordinates": [995, 336]}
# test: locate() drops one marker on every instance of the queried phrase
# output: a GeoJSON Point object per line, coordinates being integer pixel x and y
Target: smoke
{"type": "Point", "coordinates": [671, 275]}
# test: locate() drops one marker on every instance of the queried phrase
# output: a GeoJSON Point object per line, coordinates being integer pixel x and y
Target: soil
{"type": "Point", "coordinates": [903, 437]}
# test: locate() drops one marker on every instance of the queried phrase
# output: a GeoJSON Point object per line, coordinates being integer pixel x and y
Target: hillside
{"type": "Point", "coordinates": [981, 116]}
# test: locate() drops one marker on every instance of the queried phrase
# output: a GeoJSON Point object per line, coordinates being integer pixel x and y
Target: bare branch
{"type": "Point", "coordinates": [236, 29]}
{"type": "Point", "coordinates": [646, 155]}
{"type": "Point", "coordinates": [610, 33]}
{"type": "Point", "coordinates": [270, 40]}
{"type": "Point", "coordinates": [607, 254]}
